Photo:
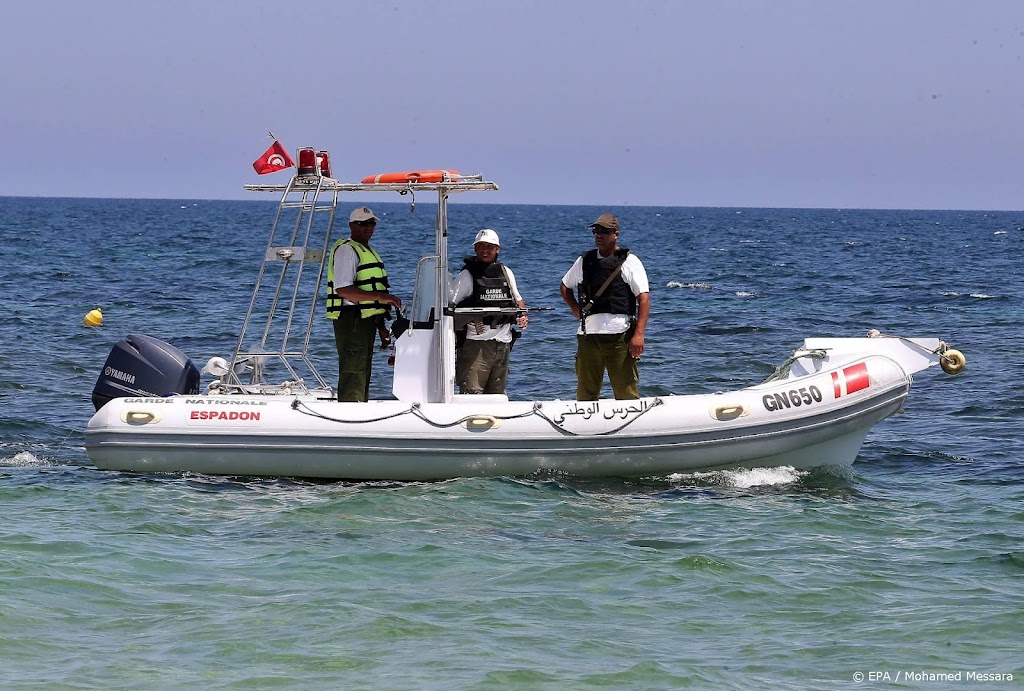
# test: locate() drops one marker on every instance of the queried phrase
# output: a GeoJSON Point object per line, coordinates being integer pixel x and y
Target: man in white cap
{"type": "Point", "coordinates": [612, 309]}
{"type": "Point", "coordinates": [481, 363]}
{"type": "Point", "coordinates": [357, 301]}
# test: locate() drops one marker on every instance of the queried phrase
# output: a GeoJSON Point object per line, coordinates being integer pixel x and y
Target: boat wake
{"type": "Point", "coordinates": [743, 478]}
{"type": "Point", "coordinates": [23, 459]}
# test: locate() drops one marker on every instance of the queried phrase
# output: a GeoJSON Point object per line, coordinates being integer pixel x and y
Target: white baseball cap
{"type": "Point", "coordinates": [487, 235]}
{"type": "Point", "coordinates": [363, 213]}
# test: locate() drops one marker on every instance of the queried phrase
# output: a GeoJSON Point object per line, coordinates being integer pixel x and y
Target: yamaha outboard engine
{"type": "Point", "coordinates": [144, 366]}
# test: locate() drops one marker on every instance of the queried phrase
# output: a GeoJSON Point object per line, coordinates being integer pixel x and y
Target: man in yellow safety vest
{"type": "Point", "coordinates": [357, 300]}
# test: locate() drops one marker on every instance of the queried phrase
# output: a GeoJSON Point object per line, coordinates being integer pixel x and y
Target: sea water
{"type": "Point", "coordinates": [908, 564]}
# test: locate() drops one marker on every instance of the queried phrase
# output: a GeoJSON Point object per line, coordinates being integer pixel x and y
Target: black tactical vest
{"type": "Point", "coordinates": [490, 289]}
{"type": "Point", "coordinates": [617, 298]}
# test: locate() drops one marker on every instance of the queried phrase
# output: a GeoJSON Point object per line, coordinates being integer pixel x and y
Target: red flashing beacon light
{"type": "Point", "coordinates": [307, 161]}
{"type": "Point", "coordinates": [324, 159]}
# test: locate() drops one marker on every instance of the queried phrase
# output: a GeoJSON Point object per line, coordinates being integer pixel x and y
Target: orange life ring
{"type": "Point", "coordinates": [412, 176]}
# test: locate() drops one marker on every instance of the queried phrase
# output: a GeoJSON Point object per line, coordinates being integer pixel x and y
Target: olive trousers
{"type": "Point", "coordinates": [355, 338]}
{"type": "Point", "coordinates": [596, 353]}
{"type": "Point", "coordinates": [482, 366]}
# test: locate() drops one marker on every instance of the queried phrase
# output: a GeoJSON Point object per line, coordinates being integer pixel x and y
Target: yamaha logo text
{"type": "Point", "coordinates": [119, 375]}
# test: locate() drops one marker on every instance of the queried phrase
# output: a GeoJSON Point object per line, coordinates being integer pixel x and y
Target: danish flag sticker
{"type": "Point", "coordinates": [851, 379]}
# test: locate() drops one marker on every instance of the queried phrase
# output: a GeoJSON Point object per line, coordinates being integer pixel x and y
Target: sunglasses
{"type": "Point", "coordinates": [601, 231]}
{"type": "Point", "coordinates": [371, 222]}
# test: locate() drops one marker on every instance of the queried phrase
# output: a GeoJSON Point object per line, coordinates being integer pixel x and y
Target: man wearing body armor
{"type": "Point", "coordinates": [612, 310]}
{"type": "Point", "coordinates": [357, 301]}
{"type": "Point", "coordinates": [481, 362]}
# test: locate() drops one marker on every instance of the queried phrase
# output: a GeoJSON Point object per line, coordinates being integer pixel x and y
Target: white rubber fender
{"type": "Point", "coordinates": [952, 361]}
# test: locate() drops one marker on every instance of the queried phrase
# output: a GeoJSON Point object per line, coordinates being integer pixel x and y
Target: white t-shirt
{"type": "Point", "coordinates": [633, 273]}
{"type": "Point", "coordinates": [462, 287]}
{"type": "Point", "coordinates": [346, 262]}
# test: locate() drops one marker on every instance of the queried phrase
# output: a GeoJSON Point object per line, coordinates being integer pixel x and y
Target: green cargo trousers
{"type": "Point", "coordinates": [597, 352]}
{"type": "Point", "coordinates": [482, 366]}
{"type": "Point", "coordinates": [354, 337]}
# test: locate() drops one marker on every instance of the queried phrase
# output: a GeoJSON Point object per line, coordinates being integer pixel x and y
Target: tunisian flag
{"type": "Point", "coordinates": [274, 159]}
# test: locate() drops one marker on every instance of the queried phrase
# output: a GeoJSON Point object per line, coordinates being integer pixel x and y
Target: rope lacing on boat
{"type": "Point", "coordinates": [415, 410]}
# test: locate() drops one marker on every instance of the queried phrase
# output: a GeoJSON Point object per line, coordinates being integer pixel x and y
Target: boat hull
{"type": "Point", "coordinates": [802, 422]}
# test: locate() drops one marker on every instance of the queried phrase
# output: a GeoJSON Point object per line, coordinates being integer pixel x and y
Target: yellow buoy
{"type": "Point", "coordinates": [94, 318]}
{"type": "Point", "coordinates": [952, 361]}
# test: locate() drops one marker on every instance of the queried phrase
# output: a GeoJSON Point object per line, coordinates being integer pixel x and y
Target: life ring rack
{"type": "Point", "coordinates": [412, 176]}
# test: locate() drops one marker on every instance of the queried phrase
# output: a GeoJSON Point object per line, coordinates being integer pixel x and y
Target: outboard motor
{"type": "Point", "coordinates": [144, 366]}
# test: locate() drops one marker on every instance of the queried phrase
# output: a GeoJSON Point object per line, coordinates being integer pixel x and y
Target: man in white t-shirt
{"type": "Point", "coordinates": [613, 306]}
{"type": "Point", "coordinates": [481, 362]}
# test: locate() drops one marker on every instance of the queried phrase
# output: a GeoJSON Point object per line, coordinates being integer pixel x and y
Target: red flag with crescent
{"type": "Point", "coordinates": [274, 159]}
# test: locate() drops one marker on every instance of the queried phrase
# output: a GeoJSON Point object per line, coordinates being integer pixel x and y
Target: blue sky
{"type": "Point", "coordinates": [787, 103]}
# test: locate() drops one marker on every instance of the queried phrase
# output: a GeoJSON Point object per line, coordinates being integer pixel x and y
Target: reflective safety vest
{"type": "Point", "coordinates": [370, 275]}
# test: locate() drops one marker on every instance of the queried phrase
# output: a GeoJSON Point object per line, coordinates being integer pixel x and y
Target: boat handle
{"type": "Point", "coordinates": [729, 412]}
{"type": "Point", "coordinates": [139, 417]}
{"type": "Point", "coordinates": [481, 423]}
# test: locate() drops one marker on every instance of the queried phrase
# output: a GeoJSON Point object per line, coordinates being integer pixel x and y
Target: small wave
{"type": "Point", "coordinates": [745, 294]}
{"type": "Point", "coordinates": [696, 286]}
{"type": "Point", "coordinates": [661, 544]}
{"type": "Point", "coordinates": [23, 459]}
{"type": "Point", "coordinates": [728, 330]}
{"type": "Point", "coordinates": [1011, 559]}
{"type": "Point", "coordinates": [999, 232]}
{"type": "Point", "coordinates": [748, 477]}
{"type": "Point", "coordinates": [976, 296]}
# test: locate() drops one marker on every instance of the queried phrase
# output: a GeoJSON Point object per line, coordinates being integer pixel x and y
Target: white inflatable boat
{"type": "Point", "coordinates": [816, 411]}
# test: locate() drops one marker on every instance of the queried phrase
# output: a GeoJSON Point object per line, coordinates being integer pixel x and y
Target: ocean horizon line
{"type": "Point", "coordinates": [363, 199]}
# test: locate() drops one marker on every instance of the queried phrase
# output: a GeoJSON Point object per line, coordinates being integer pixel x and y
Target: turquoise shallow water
{"type": "Point", "coordinates": [911, 562]}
